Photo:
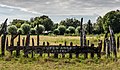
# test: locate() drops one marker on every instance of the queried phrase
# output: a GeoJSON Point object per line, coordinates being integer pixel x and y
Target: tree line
{"type": "Point", "coordinates": [67, 26]}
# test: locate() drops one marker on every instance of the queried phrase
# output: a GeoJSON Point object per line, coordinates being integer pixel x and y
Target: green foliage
{"type": "Point", "coordinates": [56, 31]}
{"type": "Point", "coordinates": [20, 31]}
{"type": "Point", "coordinates": [89, 27]}
{"type": "Point", "coordinates": [72, 29]}
{"type": "Point", "coordinates": [18, 22]}
{"type": "Point", "coordinates": [70, 22]}
{"type": "Point", "coordinates": [43, 20]}
{"type": "Point", "coordinates": [62, 29]}
{"type": "Point", "coordinates": [98, 26]}
{"type": "Point", "coordinates": [25, 28]}
{"type": "Point", "coordinates": [12, 29]}
{"type": "Point", "coordinates": [112, 19]}
{"type": "Point", "coordinates": [39, 29]}
{"type": "Point", "coordinates": [33, 31]}
{"type": "Point", "coordinates": [77, 30]}
{"type": "Point", "coordinates": [67, 31]}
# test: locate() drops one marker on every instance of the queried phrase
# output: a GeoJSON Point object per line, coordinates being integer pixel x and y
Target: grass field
{"type": "Point", "coordinates": [44, 63]}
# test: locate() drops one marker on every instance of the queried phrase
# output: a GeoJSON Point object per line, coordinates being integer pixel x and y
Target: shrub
{"type": "Point", "coordinates": [25, 28]}
{"type": "Point", "coordinates": [72, 29]}
{"type": "Point", "coordinates": [19, 30]}
{"type": "Point", "coordinates": [39, 29]}
{"type": "Point", "coordinates": [56, 31]}
{"type": "Point", "coordinates": [32, 31]}
{"type": "Point", "coordinates": [77, 30]}
{"type": "Point", "coordinates": [62, 29]}
{"type": "Point", "coordinates": [67, 31]}
{"type": "Point", "coordinates": [12, 29]}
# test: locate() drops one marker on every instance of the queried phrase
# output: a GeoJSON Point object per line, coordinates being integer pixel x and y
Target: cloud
{"type": "Point", "coordinates": [19, 8]}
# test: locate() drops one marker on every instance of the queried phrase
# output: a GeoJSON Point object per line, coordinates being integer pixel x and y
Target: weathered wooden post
{"type": "Point", "coordinates": [63, 55]}
{"type": "Point", "coordinates": [70, 54]}
{"type": "Point", "coordinates": [108, 48]}
{"type": "Point", "coordinates": [27, 45]}
{"type": "Point", "coordinates": [77, 53]}
{"type": "Point", "coordinates": [12, 44]}
{"type": "Point", "coordinates": [99, 48]}
{"type": "Point", "coordinates": [48, 51]}
{"type": "Point", "coordinates": [32, 48]}
{"type": "Point", "coordinates": [56, 54]}
{"type": "Point", "coordinates": [118, 43]}
{"type": "Point", "coordinates": [104, 48]}
{"type": "Point", "coordinates": [18, 45]}
{"type": "Point", "coordinates": [81, 33]}
{"type": "Point", "coordinates": [7, 44]}
{"type": "Point", "coordinates": [3, 38]}
{"type": "Point", "coordinates": [88, 42]}
{"type": "Point", "coordinates": [113, 42]}
{"type": "Point", "coordinates": [92, 53]}
{"type": "Point", "coordinates": [84, 44]}
{"type": "Point", "coordinates": [23, 41]}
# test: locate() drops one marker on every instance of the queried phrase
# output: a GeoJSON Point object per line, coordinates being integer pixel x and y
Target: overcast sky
{"type": "Point", "coordinates": [56, 9]}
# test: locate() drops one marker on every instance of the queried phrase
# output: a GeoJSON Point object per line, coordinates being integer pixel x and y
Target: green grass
{"type": "Point", "coordinates": [44, 63]}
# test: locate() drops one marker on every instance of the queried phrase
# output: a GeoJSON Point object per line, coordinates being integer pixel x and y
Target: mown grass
{"type": "Point", "coordinates": [44, 63]}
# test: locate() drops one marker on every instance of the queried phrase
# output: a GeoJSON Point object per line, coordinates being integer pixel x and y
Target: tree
{"type": "Point", "coordinates": [43, 20]}
{"type": "Point", "coordinates": [20, 31]}
{"type": "Point", "coordinates": [33, 31]}
{"type": "Point", "coordinates": [70, 22]}
{"type": "Point", "coordinates": [56, 31]}
{"type": "Point", "coordinates": [77, 30]}
{"type": "Point", "coordinates": [17, 22]}
{"type": "Point", "coordinates": [62, 29]}
{"type": "Point", "coordinates": [112, 19]}
{"type": "Point", "coordinates": [98, 26]}
{"type": "Point", "coordinates": [89, 27]}
{"type": "Point", "coordinates": [71, 29]}
{"type": "Point", "coordinates": [12, 29]}
{"type": "Point", "coordinates": [67, 31]}
{"type": "Point", "coordinates": [39, 29]}
{"type": "Point", "coordinates": [25, 28]}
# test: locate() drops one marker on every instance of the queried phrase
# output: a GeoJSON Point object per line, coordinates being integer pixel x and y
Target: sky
{"type": "Point", "coordinates": [57, 10]}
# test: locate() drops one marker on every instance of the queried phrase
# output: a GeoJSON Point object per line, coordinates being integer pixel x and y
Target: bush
{"type": "Point", "coordinates": [67, 31]}
{"type": "Point", "coordinates": [77, 30]}
{"type": "Point", "coordinates": [39, 29]}
{"type": "Point", "coordinates": [62, 29]}
{"type": "Point", "coordinates": [19, 30]}
{"type": "Point", "coordinates": [72, 29]}
{"type": "Point", "coordinates": [25, 28]}
{"type": "Point", "coordinates": [32, 31]}
{"type": "Point", "coordinates": [56, 31]}
{"type": "Point", "coordinates": [12, 29]}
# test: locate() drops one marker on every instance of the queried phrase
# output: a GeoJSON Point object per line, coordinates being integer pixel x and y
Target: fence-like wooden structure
{"type": "Point", "coordinates": [57, 49]}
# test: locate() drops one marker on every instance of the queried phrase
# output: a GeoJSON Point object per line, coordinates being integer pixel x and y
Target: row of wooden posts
{"type": "Point", "coordinates": [84, 48]}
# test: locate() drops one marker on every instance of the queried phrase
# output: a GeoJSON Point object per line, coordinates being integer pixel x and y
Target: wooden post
{"type": "Point", "coordinates": [118, 44]}
{"type": "Point", "coordinates": [99, 48]}
{"type": "Point", "coordinates": [70, 54]}
{"type": "Point", "coordinates": [27, 45]}
{"type": "Point", "coordinates": [18, 44]}
{"type": "Point", "coordinates": [56, 54]}
{"type": "Point", "coordinates": [63, 55]}
{"type": "Point", "coordinates": [88, 42]}
{"type": "Point", "coordinates": [84, 45]}
{"type": "Point", "coordinates": [11, 44]}
{"type": "Point", "coordinates": [2, 46]}
{"type": "Point", "coordinates": [108, 48]}
{"type": "Point", "coordinates": [77, 54]}
{"type": "Point", "coordinates": [104, 48]}
{"type": "Point", "coordinates": [48, 46]}
{"type": "Point", "coordinates": [113, 42]}
{"type": "Point", "coordinates": [92, 53]}
{"type": "Point", "coordinates": [81, 31]}
{"type": "Point", "coordinates": [7, 44]}
{"type": "Point", "coordinates": [32, 47]}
